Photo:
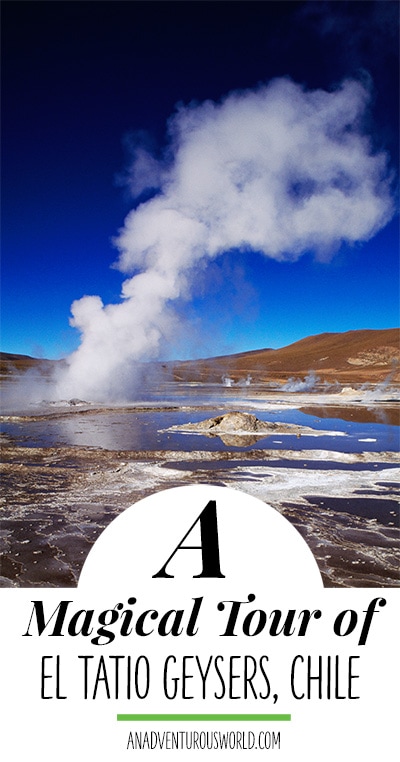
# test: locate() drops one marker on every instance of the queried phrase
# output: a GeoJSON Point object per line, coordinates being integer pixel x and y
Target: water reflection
{"type": "Point", "coordinates": [149, 430]}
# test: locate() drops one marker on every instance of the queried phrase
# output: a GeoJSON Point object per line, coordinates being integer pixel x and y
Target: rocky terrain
{"type": "Point", "coordinates": [57, 501]}
{"type": "Point", "coordinates": [70, 467]}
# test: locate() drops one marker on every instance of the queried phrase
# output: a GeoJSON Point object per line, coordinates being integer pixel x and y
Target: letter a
{"type": "Point", "coordinates": [209, 544]}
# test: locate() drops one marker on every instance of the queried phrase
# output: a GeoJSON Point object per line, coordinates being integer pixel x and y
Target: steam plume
{"type": "Point", "coordinates": [278, 170]}
{"type": "Point", "coordinates": [308, 384]}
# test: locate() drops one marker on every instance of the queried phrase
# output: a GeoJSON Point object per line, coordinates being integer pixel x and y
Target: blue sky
{"type": "Point", "coordinates": [82, 80]}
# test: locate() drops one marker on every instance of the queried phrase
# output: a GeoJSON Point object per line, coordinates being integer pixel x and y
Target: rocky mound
{"type": "Point", "coordinates": [243, 428]}
{"type": "Point", "coordinates": [237, 422]}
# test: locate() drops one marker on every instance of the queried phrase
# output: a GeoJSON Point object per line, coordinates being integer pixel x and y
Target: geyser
{"type": "Point", "coordinates": [278, 169]}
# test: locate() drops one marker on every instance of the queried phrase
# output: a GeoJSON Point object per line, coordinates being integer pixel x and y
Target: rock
{"type": "Point", "coordinates": [231, 422]}
{"type": "Point", "coordinates": [243, 429]}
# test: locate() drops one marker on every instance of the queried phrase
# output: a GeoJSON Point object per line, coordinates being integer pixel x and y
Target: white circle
{"type": "Point", "coordinates": [257, 546]}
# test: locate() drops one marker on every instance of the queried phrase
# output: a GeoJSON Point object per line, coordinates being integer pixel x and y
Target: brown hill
{"type": "Point", "coordinates": [351, 358]}
{"type": "Point", "coordinates": [12, 363]}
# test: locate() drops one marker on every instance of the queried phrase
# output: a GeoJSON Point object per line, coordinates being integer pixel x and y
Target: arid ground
{"type": "Point", "coordinates": [325, 456]}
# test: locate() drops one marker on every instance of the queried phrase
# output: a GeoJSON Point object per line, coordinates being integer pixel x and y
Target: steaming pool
{"type": "Point", "coordinates": [70, 468]}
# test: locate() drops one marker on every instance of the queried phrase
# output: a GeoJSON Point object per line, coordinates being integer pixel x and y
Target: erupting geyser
{"type": "Point", "coordinates": [278, 169]}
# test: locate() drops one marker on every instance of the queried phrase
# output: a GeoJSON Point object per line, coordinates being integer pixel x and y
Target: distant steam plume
{"type": "Point", "coordinates": [308, 384]}
{"type": "Point", "coordinates": [278, 170]}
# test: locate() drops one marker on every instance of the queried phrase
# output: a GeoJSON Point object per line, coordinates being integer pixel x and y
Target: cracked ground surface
{"type": "Point", "coordinates": [57, 500]}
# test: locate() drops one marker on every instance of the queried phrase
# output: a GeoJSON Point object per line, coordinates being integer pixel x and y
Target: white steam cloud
{"type": "Point", "coordinates": [278, 170]}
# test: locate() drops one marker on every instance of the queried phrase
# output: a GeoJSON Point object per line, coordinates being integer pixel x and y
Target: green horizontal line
{"type": "Point", "coordinates": [204, 717]}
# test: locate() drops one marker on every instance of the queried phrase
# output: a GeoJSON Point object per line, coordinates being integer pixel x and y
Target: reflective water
{"type": "Point", "coordinates": [149, 430]}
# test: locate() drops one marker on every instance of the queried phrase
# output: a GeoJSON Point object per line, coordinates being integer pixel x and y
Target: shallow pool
{"type": "Point", "coordinates": [149, 430]}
